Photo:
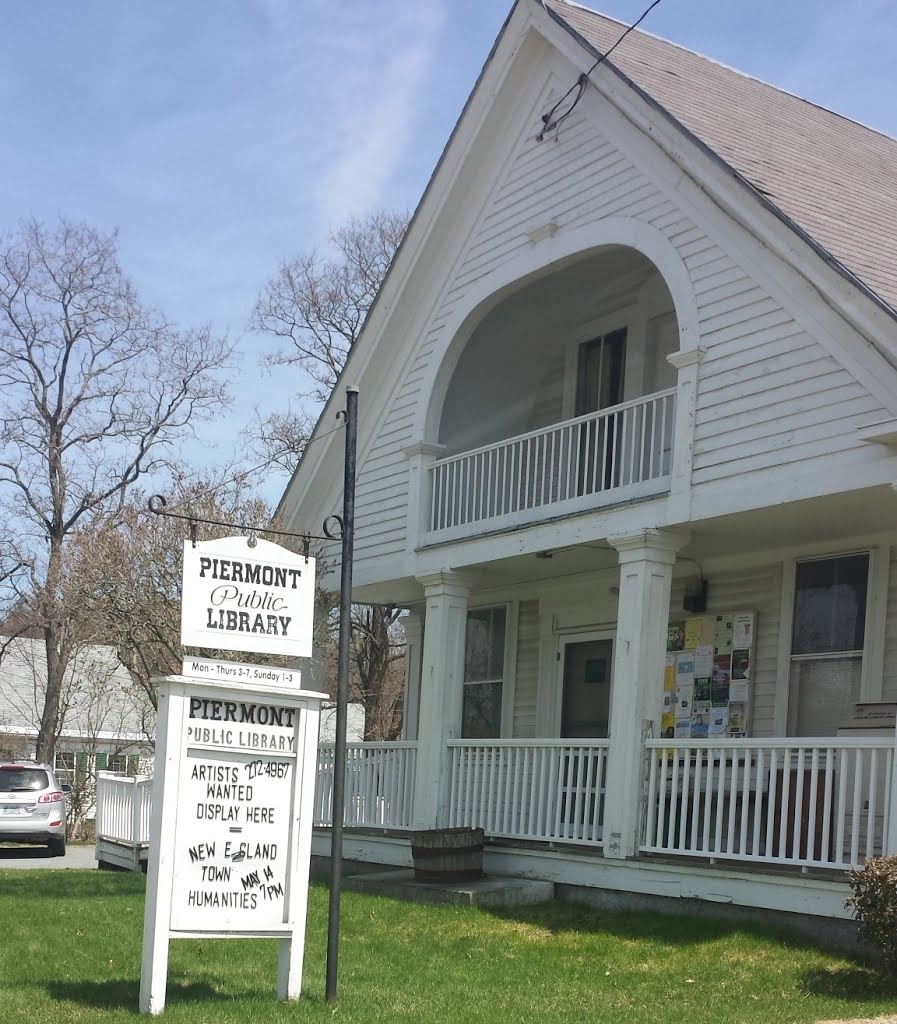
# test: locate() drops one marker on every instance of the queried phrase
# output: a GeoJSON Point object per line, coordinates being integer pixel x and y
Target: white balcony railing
{"type": "Point", "coordinates": [612, 455]}
{"type": "Point", "coordinates": [379, 784]}
{"type": "Point", "coordinates": [809, 802]}
{"type": "Point", "coordinates": [529, 789]}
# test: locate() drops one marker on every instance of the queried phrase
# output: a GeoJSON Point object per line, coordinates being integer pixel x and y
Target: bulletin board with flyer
{"type": "Point", "coordinates": [708, 676]}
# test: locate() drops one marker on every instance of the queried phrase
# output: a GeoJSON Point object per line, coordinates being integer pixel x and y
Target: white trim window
{"type": "Point", "coordinates": [828, 639]}
{"type": "Point", "coordinates": [484, 673]}
{"type": "Point", "coordinates": [64, 767]}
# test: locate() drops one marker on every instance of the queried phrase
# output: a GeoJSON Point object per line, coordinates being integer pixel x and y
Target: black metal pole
{"type": "Point", "coordinates": [342, 693]}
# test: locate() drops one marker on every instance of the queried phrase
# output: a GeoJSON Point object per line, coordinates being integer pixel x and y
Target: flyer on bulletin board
{"type": "Point", "coordinates": [708, 676]}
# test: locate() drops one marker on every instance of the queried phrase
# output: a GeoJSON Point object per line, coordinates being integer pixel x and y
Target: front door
{"type": "Point", "coordinates": [588, 671]}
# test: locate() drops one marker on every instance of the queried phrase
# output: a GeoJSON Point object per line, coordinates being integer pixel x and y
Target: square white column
{"type": "Point", "coordinates": [646, 572]}
{"type": "Point", "coordinates": [441, 692]}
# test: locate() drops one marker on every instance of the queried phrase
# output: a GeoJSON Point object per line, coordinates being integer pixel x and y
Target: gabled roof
{"type": "Point", "coordinates": [834, 178]}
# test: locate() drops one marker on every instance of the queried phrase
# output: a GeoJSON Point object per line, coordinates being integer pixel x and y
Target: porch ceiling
{"type": "Point", "coordinates": [837, 519]}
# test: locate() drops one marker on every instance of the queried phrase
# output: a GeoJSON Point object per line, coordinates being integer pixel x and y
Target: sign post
{"type": "Point", "coordinates": [236, 765]}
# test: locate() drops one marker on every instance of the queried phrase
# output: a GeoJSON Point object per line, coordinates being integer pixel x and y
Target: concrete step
{"type": "Point", "coordinates": [486, 892]}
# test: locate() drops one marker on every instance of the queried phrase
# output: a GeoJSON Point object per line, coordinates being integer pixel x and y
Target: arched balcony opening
{"type": "Point", "coordinates": [562, 398]}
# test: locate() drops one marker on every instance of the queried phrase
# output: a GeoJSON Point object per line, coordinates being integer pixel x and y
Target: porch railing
{"type": "Point", "coordinates": [379, 784]}
{"type": "Point", "coordinates": [616, 453]}
{"type": "Point", "coordinates": [815, 803]}
{"type": "Point", "coordinates": [529, 789]}
{"type": "Point", "coordinates": [124, 808]}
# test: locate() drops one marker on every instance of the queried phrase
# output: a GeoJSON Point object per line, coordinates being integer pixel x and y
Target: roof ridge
{"type": "Point", "coordinates": [722, 64]}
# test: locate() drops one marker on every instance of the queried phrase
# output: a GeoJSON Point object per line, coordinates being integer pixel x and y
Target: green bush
{"type": "Point", "coordinates": [874, 902]}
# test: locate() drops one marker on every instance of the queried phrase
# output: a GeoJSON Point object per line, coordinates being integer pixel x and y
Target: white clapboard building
{"type": "Point", "coordinates": [106, 725]}
{"type": "Point", "coordinates": [628, 416]}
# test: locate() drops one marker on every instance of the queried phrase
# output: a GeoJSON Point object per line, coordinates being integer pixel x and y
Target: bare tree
{"type": "Point", "coordinates": [378, 651]}
{"type": "Point", "coordinates": [318, 306]}
{"type": "Point", "coordinates": [279, 439]}
{"type": "Point", "coordinates": [130, 573]}
{"type": "Point", "coordinates": [95, 390]}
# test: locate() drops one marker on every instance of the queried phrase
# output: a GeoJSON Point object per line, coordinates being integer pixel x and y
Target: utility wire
{"type": "Point", "coordinates": [552, 123]}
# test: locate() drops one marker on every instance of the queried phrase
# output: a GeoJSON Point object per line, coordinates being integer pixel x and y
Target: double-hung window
{"type": "Point", "coordinates": [827, 641]}
{"type": "Point", "coordinates": [484, 669]}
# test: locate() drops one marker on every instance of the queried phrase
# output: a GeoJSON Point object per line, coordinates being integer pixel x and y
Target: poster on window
{"type": "Point", "coordinates": [708, 676]}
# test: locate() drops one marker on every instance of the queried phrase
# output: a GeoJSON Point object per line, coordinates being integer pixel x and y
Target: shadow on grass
{"type": "Point", "coordinates": [560, 917]}
{"type": "Point", "coordinates": [124, 993]}
{"type": "Point", "coordinates": [682, 929]}
{"type": "Point", "coordinates": [858, 983]}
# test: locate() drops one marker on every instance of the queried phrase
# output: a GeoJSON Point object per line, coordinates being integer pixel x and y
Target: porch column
{"type": "Point", "coordinates": [890, 840]}
{"type": "Point", "coordinates": [414, 628]}
{"type": "Point", "coordinates": [646, 572]}
{"type": "Point", "coordinates": [441, 682]}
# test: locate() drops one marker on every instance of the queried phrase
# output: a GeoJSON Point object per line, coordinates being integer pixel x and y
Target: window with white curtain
{"type": "Point", "coordinates": [827, 641]}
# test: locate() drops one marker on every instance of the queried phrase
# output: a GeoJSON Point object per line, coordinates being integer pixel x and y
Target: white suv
{"type": "Point", "coordinates": [32, 806]}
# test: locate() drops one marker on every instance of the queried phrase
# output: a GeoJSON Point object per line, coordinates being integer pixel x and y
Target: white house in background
{"type": "Point", "coordinates": [354, 723]}
{"type": "Point", "coordinates": [650, 351]}
{"type": "Point", "coordinates": [106, 726]}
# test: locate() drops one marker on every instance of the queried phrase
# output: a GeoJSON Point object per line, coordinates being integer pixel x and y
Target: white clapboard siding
{"type": "Point", "coordinates": [761, 384]}
{"type": "Point", "coordinates": [527, 676]}
{"type": "Point", "coordinates": [548, 403]}
{"type": "Point", "coordinates": [577, 183]}
{"type": "Point", "coordinates": [757, 589]}
{"type": "Point", "coordinates": [768, 393]}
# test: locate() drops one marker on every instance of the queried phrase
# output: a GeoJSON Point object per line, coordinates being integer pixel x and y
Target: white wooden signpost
{"type": "Point", "coordinates": [236, 761]}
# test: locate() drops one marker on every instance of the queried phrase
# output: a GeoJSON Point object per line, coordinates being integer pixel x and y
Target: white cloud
{"type": "Point", "coordinates": [362, 68]}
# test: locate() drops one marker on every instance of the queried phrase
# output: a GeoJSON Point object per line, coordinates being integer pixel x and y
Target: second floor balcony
{"type": "Point", "coordinates": [558, 398]}
{"type": "Point", "coordinates": [612, 455]}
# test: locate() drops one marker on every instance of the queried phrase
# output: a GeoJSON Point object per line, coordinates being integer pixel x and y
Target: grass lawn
{"type": "Point", "coordinates": [70, 952]}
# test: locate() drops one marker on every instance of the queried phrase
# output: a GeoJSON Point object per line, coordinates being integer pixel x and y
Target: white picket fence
{"type": "Point", "coordinates": [816, 803]}
{"type": "Point", "coordinates": [529, 789]}
{"type": "Point", "coordinates": [379, 784]}
{"type": "Point", "coordinates": [615, 451]}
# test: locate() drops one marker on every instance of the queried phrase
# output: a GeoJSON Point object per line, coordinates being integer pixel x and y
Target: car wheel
{"type": "Point", "coordinates": [56, 846]}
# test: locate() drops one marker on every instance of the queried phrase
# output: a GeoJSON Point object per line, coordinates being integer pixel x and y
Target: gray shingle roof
{"type": "Point", "coordinates": [834, 178]}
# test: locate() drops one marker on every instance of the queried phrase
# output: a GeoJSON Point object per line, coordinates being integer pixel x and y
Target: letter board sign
{"type": "Point", "coordinates": [230, 838]}
{"type": "Point", "coordinates": [241, 598]}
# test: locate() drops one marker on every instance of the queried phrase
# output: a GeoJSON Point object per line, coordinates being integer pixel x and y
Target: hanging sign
{"type": "Point", "coordinates": [241, 598]}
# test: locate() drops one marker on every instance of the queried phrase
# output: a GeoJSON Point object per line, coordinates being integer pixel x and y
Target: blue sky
{"type": "Point", "coordinates": [219, 136]}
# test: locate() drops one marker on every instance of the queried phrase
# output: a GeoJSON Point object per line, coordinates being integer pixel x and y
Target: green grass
{"type": "Point", "coordinates": [70, 952]}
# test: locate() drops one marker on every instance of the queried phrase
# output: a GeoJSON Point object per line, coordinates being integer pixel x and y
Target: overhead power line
{"type": "Point", "coordinates": [551, 120]}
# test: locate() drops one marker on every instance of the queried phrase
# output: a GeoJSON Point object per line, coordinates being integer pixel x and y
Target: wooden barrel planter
{"type": "Point", "coordinates": [447, 854]}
